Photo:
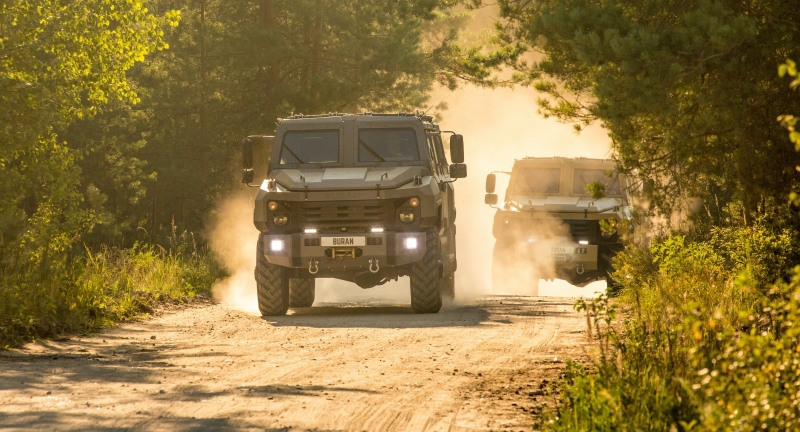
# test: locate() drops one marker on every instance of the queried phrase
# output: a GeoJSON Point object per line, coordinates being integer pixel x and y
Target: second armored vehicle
{"type": "Point", "coordinates": [561, 218]}
{"type": "Point", "coordinates": [364, 198]}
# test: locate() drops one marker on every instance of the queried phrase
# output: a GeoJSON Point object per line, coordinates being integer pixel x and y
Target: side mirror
{"type": "Point", "coordinates": [490, 199]}
{"type": "Point", "coordinates": [491, 181]}
{"type": "Point", "coordinates": [457, 149]}
{"type": "Point", "coordinates": [458, 170]}
{"type": "Point", "coordinates": [256, 150]}
{"type": "Point", "coordinates": [247, 161]}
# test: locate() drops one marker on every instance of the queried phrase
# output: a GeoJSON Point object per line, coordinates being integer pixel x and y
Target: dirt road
{"type": "Point", "coordinates": [347, 366]}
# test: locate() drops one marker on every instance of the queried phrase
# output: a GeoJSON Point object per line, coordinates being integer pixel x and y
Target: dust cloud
{"type": "Point", "coordinates": [233, 239]}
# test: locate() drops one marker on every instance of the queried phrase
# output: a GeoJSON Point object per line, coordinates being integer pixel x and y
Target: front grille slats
{"type": "Point", "coordinates": [354, 213]}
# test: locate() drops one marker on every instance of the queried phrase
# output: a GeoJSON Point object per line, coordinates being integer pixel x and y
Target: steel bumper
{"type": "Point", "coordinates": [387, 249]}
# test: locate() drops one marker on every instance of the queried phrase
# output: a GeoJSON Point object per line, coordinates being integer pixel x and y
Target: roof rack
{"type": "Point", "coordinates": [421, 116]}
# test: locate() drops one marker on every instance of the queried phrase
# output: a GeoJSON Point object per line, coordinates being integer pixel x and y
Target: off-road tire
{"type": "Point", "coordinates": [426, 294]}
{"type": "Point", "coordinates": [508, 272]}
{"type": "Point", "coordinates": [272, 285]}
{"type": "Point", "coordinates": [301, 292]}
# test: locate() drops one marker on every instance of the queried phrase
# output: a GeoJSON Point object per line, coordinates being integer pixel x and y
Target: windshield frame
{"type": "Point", "coordinates": [278, 149]}
{"type": "Point", "coordinates": [518, 177]}
{"type": "Point", "coordinates": [390, 125]}
{"type": "Point", "coordinates": [615, 177]}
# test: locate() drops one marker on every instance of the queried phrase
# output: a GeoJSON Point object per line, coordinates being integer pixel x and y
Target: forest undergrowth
{"type": "Point", "coordinates": [100, 288]}
{"type": "Point", "coordinates": [704, 337]}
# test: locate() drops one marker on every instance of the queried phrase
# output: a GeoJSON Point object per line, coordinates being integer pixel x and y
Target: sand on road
{"type": "Point", "coordinates": [347, 366]}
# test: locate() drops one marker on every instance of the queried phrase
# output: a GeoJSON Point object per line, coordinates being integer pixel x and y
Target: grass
{"type": "Point", "coordinates": [101, 288]}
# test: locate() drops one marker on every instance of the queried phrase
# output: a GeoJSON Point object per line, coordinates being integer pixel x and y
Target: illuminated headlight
{"type": "Point", "coordinates": [583, 242]}
{"type": "Point", "coordinates": [280, 220]}
{"type": "Point", "coordinates": [406, 216]}
{"type": "Point", "coordinates": [310, 230]}
{"type": "Point", "coordinates": [414, 202]}
{"type": "Point", "coordinates": [410, 243]}
{"type": "Point", "coordinates": [276, 245]}
{"type": "Point", "coordinates": [377, 230]}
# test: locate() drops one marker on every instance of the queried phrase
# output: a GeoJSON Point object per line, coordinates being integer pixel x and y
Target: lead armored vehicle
{"type": "Point", "coordinates": [363, 198]}
{"type": "Point", "coordinates": [561, 218]}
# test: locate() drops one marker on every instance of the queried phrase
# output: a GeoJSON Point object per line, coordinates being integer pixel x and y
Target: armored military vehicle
{"type": "Point", "coordinates": [363, 198]}
{"type": "Point", "coordinates": [561, 218]}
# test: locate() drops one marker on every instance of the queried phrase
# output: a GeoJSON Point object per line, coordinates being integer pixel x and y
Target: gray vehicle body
{"type": "Point", "coordinates": [548, 217]}
{"type": "Point", "coordinates": [343, 214]}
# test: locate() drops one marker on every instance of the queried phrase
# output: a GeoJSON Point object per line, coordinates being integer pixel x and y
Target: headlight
{"type": "Point", "coordinates": [410, 243]}
{"type": "Point", "coordinates": [406, 216]}
{"type": "Point", "coordinates": [276, 245]}
{"type": "Point", "coordinates": [280, 220]}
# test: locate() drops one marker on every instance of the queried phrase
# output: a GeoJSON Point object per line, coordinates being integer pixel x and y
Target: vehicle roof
{"type": "Point", "coordinates": [331, 118]}
{"type": "Point", "coordinates": [558, 160]}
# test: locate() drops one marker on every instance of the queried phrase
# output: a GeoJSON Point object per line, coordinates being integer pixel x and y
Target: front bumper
{"type": "Point", "coordinates": [574, 256]}
{"type": "Point", "coordinates": [305, 251]}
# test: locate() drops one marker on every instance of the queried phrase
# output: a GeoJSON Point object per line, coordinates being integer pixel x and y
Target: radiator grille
{"type": "Point", "coordinates": [345, 213]}
{"type": "Point", "coordinates": [583, 230]}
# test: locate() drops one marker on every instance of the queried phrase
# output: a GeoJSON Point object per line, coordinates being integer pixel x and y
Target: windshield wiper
{"type": "Point", "coordinates": [374, 153]}
{"type": "Point", "coordinates": [293, 154]}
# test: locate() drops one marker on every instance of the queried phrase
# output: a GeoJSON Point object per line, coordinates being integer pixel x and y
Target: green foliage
{"type": "Point", "coordinates": [596, 189]}
{"type": "Point", "coordinates": [101, 288]}
{"type": "Point", "coordinates": [789, 121]}
{"type": "Point", "coordinates": [59, 62]}
{"type": "Point", "coordinates": [675, 85]}
{"type": "Point", "coordinates": [709, 342]}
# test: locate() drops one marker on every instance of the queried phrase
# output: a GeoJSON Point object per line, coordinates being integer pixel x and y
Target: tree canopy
{"type": "Point", "coordinates": [687, 90]}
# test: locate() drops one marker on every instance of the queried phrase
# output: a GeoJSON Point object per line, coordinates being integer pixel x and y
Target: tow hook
{"type": "Point", "coordinates": [374, 265]}
{"type": "Point", "coordinates": [313, 268]}
{"type": "Point", "coordinates": [580, 269]}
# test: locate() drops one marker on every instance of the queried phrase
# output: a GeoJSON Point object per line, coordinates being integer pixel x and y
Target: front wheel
{"type": "Point", "coordinates": [301, 292]}
{"type": "Point", "coordinates": [272, 285]}
{"type": "Point", "coordinates": [426, 294]}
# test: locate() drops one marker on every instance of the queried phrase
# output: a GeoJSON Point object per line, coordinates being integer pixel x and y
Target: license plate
{"type": "Point", "coordinates": [343, 241]}
{"type": "Point", "coordinates": [562, 250]}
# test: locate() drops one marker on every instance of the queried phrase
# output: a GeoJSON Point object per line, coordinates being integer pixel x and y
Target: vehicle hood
{"type": "Point", "coordinates": [565, 203]}
{"type": "Point", "coordinates": [346, 178]}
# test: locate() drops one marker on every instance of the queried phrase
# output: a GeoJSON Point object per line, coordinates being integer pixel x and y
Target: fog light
{"type": "Point", "coordinates": [414, 202]}
{"type": "Point", "coordinates": [406, 216]}
{"type": "Point", "coordinates": [276, 245]}
{"type": "Point", "coordinates": [377, 230]}
{"type": "Point", "coordinates": [410, 243]}
{"type": "Point", "coordinates": [583, 242]}
{"type": "Point", "coordinates": [272, 206]}
{"type": "Point", "coordinates": [310, 230]}
{"type": "Point", "coordinates": [280, 220]}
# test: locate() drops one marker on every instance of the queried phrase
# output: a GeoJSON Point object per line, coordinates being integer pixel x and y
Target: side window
{"type": "Point", "coordinates": [432, 155]}
{"type": "Point", "coordinates": [437, 140]}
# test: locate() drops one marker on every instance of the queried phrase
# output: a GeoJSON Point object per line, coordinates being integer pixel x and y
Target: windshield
{"type": "Point", "coordinates": [538, 181]}
{"type": "Point", "coordinates": [387, 145]}
{"type": "Point", "coordinates": [607, 178]}
{"type": "Point", "coordinates": [310, 146]}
